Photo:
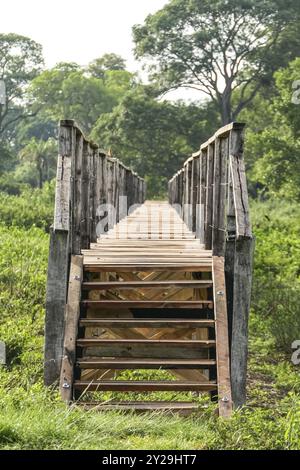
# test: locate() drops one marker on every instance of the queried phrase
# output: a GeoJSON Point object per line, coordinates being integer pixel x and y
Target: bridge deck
{"type": "Point", "coordinates": [147, 302]}
{"type": "Point", "coordinates": [153, 237]}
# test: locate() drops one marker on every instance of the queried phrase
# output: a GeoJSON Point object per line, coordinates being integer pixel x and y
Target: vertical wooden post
{"type": "Point", "coordinates": [222, 350]}
{"type": "Point", "coordinates": [209, 196]}
{"type": "Point", "coordinates": [194, 191]}
{"type": "Point", "coordinates": [202, 195]}
{"type": "Point", "coordinates": [71, 321]}
{"type": "Point", "coordinates": [242, 269]}
{"type": "Point", "coordinates": [58, 264]}
{"type": "Point", "coordinates": [219, 197]}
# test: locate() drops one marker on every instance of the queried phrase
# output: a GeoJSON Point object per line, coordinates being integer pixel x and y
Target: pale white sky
{"type": "Point", "coordinates": [80, 31]}
{"type": "Point", "coordinates": [74, 30]}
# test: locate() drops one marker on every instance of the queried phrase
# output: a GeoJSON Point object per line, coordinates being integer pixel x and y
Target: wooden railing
{"type": "Point", "coordinates": [88, 182]}
{"type": "Point", "coordinates": [210, 191]}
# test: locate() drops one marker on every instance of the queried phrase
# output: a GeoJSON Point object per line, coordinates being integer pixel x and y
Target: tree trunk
{"type": "Point", "coordinates": [225, 106]}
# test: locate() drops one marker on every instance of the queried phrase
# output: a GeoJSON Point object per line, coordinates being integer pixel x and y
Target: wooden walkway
{"type": "Point", "coordinates": [147, 295]}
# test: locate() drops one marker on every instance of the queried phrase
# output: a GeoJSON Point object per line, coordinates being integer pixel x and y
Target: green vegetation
{"type": "Point", "coordinates": [254, 47]}
{"type": "Point", "coordinates": [32, 417]}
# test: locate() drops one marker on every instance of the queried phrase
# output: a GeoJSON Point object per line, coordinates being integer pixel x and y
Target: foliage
{"type": "Point", "coordinates": [20, 61]}
{"type": "Point", "coordinates": [216, 47]}
{"type": "Point", "coordinates": [288, 102]}
{"type": "Point", "coordinates": [68, 92]}
{"type": "Point", "coordinates": [41, 157]}
{"type": "Point", "coordinates": [154, 137]}
{"type": "Point", "coordinates": [98, 67]}
{"type": "Point", "coordinates": [23, 262]}
{"type": "Point", "coordinates": [276, 290]}
{"type": "Point", "coordinates": [33, 207]}
{"type": "Point", "coordinates": [272, 144]}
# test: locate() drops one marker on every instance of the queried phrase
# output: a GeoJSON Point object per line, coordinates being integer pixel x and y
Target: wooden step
{"type": "Point", "coordinates": [178, 407]}
{"type": "Point", "coordinates": [201, 343]}
{"type": "Point", "coordinates": [97, 285]}
{"type": "Point", "coordinates": [144, 267]}
{"type": "Point", "coordinates": [127, 304]}
{"type": "Point", "coordinates": [146, 323]}
{"type": "Point", "coordinates": [129, 363]}
{"type": "Point", "coordinates": [151, 349]}
{"type": "Point", "coordinates": [144, 386]}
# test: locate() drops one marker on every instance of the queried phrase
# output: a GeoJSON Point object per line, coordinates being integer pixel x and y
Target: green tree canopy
{"type": "Point", "coordinates": [68, 92]}
{"type": "Point", "coordinates": [38, 159]}
{"type": "Point", "coordinates": [272, 144]}
{"type": "Point", "coordinates": [20, 61]}
{"type": "Point", "coordinates": [154, 137]}
{"type": "Point", "coordinates": [99, 66]}
{"type": "Point", "coordinates": [215, 46]}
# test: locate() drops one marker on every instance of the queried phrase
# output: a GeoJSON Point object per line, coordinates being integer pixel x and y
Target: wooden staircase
{"type": "Point", "coordinates": [146, 296]}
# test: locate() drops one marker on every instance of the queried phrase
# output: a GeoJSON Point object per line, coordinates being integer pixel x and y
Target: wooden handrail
{"type": "Point", "coordinates": [208, 180]}
{"type": "Point", "coordinates": [210, 190]}
{"type": "Point", "coordinates": [87, 179]}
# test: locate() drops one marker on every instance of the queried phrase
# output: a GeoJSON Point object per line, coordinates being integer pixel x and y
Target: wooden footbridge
{"type": "Point", "coordinates": [146, 285]}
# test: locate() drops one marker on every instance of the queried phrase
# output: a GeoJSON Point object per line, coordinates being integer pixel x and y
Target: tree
{"type": "Point", "coordinates": [288, 102]}
{"type": "Point", "coordinates": [272, 144]}
{"type": "Point", "coordinates": [112, 61]}
{"type": "Point", "coordinates": [20, 61]}
{"type": "Point", "coordinates": [68, 92]}
{"type": "Point", "coordinates": [154, 137]}
{"type": "Point", "coordinates": [41, 156]}
{"type": "Point", "coordinates": [215, 46]}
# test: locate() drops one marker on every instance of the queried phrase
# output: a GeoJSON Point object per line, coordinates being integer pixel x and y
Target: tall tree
{"type": "Point", "coordinates": [111, 61]}
{"type": "Point", "coordinates": [215, 46]}
{"type": "Point", "coordinates": [154, 137]}
{"type": "Point", "coordinates": [67, 91]}
{"type": "Point", "coordinates": [272, 144]}
{"type": "Point", "coordinates": [20, 61]}
{"type": "Point", "coordinates": [42, 156]}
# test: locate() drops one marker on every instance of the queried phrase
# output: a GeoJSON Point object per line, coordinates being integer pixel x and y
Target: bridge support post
{"type": "Point", "coordinates": [58, 271]}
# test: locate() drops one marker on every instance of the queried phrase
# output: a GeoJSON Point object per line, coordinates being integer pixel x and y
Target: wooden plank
{"type": "Point", "coordinates": [181, 408]}
{"type": "Point", "coordinates": [87, 342]}
{"type": "Point", "coordinates": [143, 386]}
{"type": "Point", "coordinates": [243, 258]}
{"type": "Point", "coordinates": [219, 197]}
{"type": "Point", "coordinates": [146, 323]}
{"type": "Point", "coordinates": [125, 304]}
{"type": "Point", "coordinates": [222, 344]}
{"type": "Point", "coordinates": [202, 195]}
{"type": "Point", "coordinates": [71, 327]}
{"type": "Point", "coordinates": [56, 296]}
{"type": "Point", "coordinates": [63, 179]}
{"type": "Point", "coordinates": [130, 363]}
{"type": "Point", "coordinates": [209, 197]}
{"type": "Point", "coordinates": [146, 267]}
{"type": "Point", "coordinates": [152, 350]}
{"type": "Point", "coordinates": [240, 193]}
{"type": "Point", "coordinates": [77, 195]}
{"type": "Point", "coordinates": [97, 285]}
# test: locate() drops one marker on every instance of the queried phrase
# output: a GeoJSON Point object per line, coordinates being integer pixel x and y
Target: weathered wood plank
{"type": "Point", "coordinates": [58, 270]}
{"type": "Point", "coordinates": [219, 197]}
{"type": "Point", "coordinates": [241, 307]}
{"type": "Point", "coordinates": [71, 327]}
{"type": "Point", "coordinates": [239, 183]}
{"type": "Point", "coordinates": [222, 345]}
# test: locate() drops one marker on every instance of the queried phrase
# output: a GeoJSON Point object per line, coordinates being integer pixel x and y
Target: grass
{"type": "Point", "coordinates": [32, 417]}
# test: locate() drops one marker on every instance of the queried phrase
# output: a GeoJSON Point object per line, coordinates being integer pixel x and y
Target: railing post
{"type": "Point", "coordinates": [219, 196]}
{"type": "Point", "coordinates": [242, 269]}
{"type": "Point", "coordinates": [59, 256]}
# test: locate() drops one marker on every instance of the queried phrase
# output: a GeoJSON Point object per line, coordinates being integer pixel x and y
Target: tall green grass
{"type": "Point", "coordinates": [32, 417]}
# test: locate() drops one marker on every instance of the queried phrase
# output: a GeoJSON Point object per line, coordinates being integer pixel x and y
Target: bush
{"type": "Point", "coordinates": [23, 265]}
{"type": "Point", "coordinates": [32, 207]}
{"type": "Point", "coordinates": [276, 286]}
